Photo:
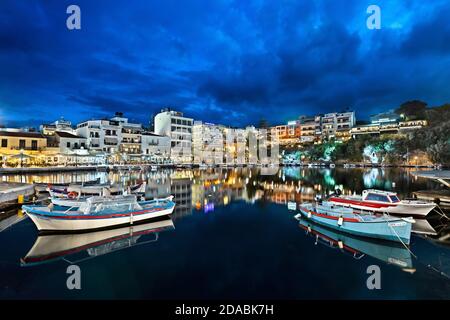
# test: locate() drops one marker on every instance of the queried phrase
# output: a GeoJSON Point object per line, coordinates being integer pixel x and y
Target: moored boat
{"type": "Point", "coordinates": [386, 251]}
{"type": "Point", "coordinates": [43, 187]}
{"type": "Point", "coordinates": [98, 213]}
{"type": "Point", "coordinates": [94, 190]}
{"type": "Point", "coordinates": [385, 202]}
{"type": "Point", "coordinates": [380, 226]}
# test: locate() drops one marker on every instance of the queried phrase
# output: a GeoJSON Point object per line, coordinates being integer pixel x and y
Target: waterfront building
{"type": "Point", "coordinates": [336, 125]}
{"type": "Point", "coordinates": [130, 136]}
{"type": "Point", "coordinates": [308, 127]}
{"type": "Point", "coordinates": [207, 143]}
{"type": "Point", "coordinates": [68, 142]}
{"type": "Point", "coordinates": [102, 135]}
{"type": "Point", "coordinates": [116, 136]}
{"type": "Point", "coordinates": [60, 125]}
{"type": "Point", "coordinates": [175, 125]}
{"type": "Point", "coordinates": [376, 129]}
{"type": "Point", "coordinates": [288, 134]}
{"type": "Point", "coordinates": [19, 147]}
{"type": "Point", "coordinates": [22, 141]}
{"type": "Point", "coordinates": [155, 148]}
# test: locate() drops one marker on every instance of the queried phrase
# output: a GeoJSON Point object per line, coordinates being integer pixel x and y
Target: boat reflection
{"type": "Point", "coordinates": [49, 248]}
{"type": "Point", "coordinates": [357, 247]}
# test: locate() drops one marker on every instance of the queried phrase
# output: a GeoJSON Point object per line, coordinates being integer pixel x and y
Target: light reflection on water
{"type": "Point", "coordinates": [230, 195]}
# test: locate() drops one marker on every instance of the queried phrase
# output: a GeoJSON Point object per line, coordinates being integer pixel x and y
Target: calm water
{"type": "Point", "coordinates": [232, 236]}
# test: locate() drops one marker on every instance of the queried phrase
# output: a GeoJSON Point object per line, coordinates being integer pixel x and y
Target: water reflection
{"type": "Point", "coordinates": [204, 191]}
{"type": "Point", "coordinates": [75, 248]}
{"type": "Point", "coordinates": [357, 247]}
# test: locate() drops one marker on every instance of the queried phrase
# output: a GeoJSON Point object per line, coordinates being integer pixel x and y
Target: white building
{"type": "Point", "coordinates": [173, 124]}
{"type": "Point", "coordinates": [69, 142]}
{"type": "Point", "coordinates": [112, 135]}
{"type": "Point", "coordinates": [207, 143]}
{"type": "Point", "coordinates": [155, 148]}
{"type": "Point", "coordinates": [59, 125]}
{"type": "Point", "coordinates": [336, 125]}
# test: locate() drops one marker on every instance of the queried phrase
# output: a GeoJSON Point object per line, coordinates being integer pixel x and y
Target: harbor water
{"type": "Point", "coordinates": [233, 235]}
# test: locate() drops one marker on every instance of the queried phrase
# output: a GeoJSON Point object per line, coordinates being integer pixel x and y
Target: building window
{"type": "Point", "coordinates": [34, 145]}
{"type": "Point", "coordinates": [22, 144]}
{"type": "Point", "coordinates": [4, 143]}
{"type": "Point", "coordinates": [68, 144]}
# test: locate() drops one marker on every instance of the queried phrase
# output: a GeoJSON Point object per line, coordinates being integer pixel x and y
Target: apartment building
{"type": "Point", "coordinates": [155, 148]}
{"type": "Point", "coordinates": [337, 125]}
{"type": "Point", "coordinates": [175, 125]}
{"type": "Point", "coordinates": [130, 135]}
{"type": "Point", "coordinates": [112, 135]}
{"type": "Point", "coordinates": [68, 142]}
{"type": "Point", "coordinates": [22, 141]}
{"type": "Point", "coordinates": [208, 143]}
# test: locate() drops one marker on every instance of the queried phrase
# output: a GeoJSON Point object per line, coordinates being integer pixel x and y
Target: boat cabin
{"type": "Point", "coordinates": [380, 196]}
{"type": "Point", "coordinates": [113, 204]}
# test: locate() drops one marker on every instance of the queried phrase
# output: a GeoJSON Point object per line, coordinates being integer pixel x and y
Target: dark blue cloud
{"type": "Point", "coordinates": [230, 62]}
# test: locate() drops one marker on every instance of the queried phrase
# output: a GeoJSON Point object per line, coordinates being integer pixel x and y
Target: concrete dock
{"type": "Point", "coordinates": [10, 192]}
{"type": "Point", "coordinates": [45, 169]}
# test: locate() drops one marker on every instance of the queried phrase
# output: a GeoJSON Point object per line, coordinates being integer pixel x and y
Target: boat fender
{"type": "Point", "coordinates": [72, 194]}
{"type": "Point", "coordinates": [309, 215]}
{"type": "Point", "coordinates": [340, 244]}
{"type": "Point", "coordinates": [340, 221]}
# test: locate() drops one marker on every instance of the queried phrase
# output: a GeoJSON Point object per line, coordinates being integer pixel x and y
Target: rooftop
{"type": "Point", "coordinates": [64, 134]}
{"type": "Point", "coordinates": [22, 134]}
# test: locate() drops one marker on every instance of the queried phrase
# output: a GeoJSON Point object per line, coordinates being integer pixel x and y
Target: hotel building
{"type": "Point", "coordinates": [155, 148]}
{"type": "Point", "coordinates": [208, 143]}
{"type": "Point", "coordinates": [175, 125]}
{"type": "Point", "coordinates": [336, 125]}
{"type": "Point", "coordinates": [112, 135]}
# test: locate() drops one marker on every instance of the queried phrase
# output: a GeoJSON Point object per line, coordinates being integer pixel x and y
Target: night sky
{"type": "Point", "coordinates": [222, 61]}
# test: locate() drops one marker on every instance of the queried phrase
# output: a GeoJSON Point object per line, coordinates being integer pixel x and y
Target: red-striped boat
{"type": "Point", "coordinates": [98, 213]}
{"type": "Point", "coordinates": [384, 201]}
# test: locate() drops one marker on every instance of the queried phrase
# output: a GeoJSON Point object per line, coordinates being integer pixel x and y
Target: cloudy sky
{"type": "Point", "coordinates": [222, 61]}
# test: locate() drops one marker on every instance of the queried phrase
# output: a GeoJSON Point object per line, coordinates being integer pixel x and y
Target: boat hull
{"type": "Point", "coordinates": [45, 223]}
{"type": "Point", "coordinates": [404, 208]}
{"type": "Point", "coordinates": [397, 230]}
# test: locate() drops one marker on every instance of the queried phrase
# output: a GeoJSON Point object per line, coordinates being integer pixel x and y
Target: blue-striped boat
{"type": "Point", "coordinates": [98, 213]}
{"type": "Point", "coordinates": [380, 226]}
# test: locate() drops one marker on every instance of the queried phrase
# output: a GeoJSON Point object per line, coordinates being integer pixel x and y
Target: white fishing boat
{"type": "Point", "coordinates": [98, 213]}
{"type": "Point", "coordinates": [384, 201]}
{"type": "Point", "coordinates": [74, 191]}
{"type": "Point", "coordinates": [348, 220]}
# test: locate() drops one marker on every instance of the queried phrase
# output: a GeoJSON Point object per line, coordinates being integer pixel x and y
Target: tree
{"type": "Point", "coordinates": [263, 124]}
{"type": "Point", "coordinates": [412, 110]}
